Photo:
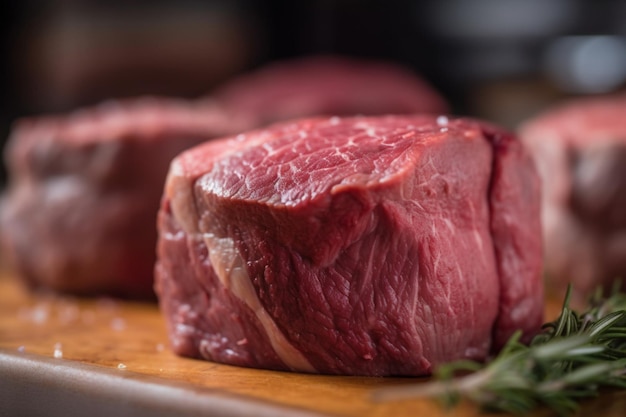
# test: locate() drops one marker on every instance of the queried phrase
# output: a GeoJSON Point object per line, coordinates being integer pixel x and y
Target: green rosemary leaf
{"type": "Point", "coordinates": [605, 323]}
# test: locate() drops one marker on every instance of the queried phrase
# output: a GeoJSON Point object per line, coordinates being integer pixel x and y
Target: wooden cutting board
{"type": "Point", "coordinates": [102, 357]}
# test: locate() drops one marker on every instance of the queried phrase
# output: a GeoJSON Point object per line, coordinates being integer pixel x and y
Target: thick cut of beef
{"type": "Point", "coordinates": [328, 85]}
{"type": "Point", "coordinates": [79, 214]}
{"type": "Point", "coordinates": [365, 245]}
{"type": "Point", "coordinates": [580, 153]}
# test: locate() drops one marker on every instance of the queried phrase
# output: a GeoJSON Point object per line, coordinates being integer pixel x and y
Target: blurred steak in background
{"type": "Point", "coordinates": [79, 214]}
{"type": "Point", "coordinates": [580, 153]}
{"type": "Point", "coordinates": [328, 85]}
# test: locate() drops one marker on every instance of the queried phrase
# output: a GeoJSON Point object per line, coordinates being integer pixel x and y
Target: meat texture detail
{"type": "Point", "coordinates": [358, 246]}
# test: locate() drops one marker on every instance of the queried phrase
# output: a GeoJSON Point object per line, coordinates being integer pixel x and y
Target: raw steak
{"type": "Point", "coordinates": [580, 153]}
{"type": "Point", "coordinates": [80, 211]}
{"type": "Point", "coordinates": [362, 246]}
{"type": "Point", "coordinates": [327, 85]}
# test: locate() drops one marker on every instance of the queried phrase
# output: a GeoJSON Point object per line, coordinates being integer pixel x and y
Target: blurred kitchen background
{"type": "Point", "coordinates": [498, 59]}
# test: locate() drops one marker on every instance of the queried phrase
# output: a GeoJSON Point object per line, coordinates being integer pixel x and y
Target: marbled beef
{"type": "Point", "coordinates": [362, 246]}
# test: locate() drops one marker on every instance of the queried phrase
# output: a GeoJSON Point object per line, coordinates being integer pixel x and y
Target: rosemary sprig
{"type": "Point", "coordinates": [572, 358]}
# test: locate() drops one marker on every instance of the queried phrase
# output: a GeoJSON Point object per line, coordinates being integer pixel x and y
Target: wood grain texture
{"type": "Point", "coordinates": [103, 341]}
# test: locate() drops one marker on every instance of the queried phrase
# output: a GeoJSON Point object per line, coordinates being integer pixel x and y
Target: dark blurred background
{"type": "Point", "coordinates": [499, 59]}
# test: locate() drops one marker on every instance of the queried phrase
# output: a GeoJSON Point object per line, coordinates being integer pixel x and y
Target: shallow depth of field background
{"type": "Point", "coordinates": [503, 60]}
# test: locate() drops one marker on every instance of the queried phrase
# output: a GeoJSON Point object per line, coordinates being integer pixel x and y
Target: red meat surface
{"type": "Point", "coordinates": [358, 246]}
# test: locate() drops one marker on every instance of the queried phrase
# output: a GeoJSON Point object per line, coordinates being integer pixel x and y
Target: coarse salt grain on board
{"type": "Point", "coordinates": [58, 350]}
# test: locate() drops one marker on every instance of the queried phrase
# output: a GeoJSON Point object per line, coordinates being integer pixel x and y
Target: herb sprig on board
{"type": "Point", "coordinates": [573, 358]}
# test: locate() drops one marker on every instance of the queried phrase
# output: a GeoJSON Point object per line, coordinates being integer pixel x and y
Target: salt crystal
{"type": "Point", "coordinates": [21, 349]}
{"type": "Point", "coordinates": [121, 366]}
{"type": "Point", "coordinates": [442, 121]}
{"type": "Point", "coordinates": [58, 352]}
{"type": "Point", "coordinates": [334, 120]}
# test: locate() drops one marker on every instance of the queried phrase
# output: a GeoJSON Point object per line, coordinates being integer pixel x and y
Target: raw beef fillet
{"type": "Point", "coordinates": [80, 212]}
{"type": "Point", "coordinates": [360, 246]}
{"type": "Point", "coordinates": [580, 153]}
{"type": "Point", "coordinates": [328, 85]}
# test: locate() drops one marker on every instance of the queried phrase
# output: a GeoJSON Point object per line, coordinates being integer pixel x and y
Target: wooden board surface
{"type": "Point", "coordinates": [113, 356]}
